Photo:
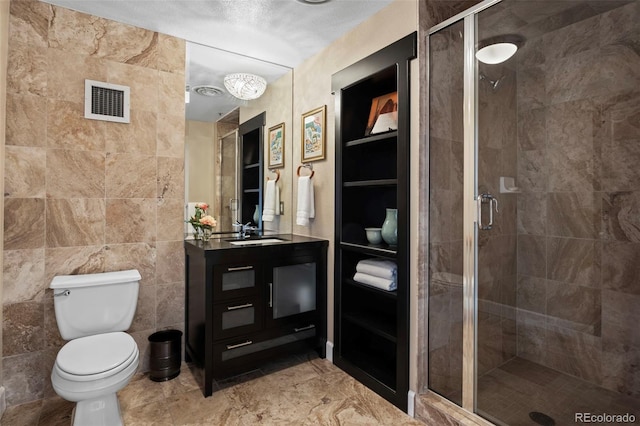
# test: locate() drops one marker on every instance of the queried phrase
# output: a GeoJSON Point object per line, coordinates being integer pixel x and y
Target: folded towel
{"type": "Point", "coordinates": [378, 268]}
{"type": "Point", "coordinates": [381, 283]}
{"type": "Point", "coordinates": [271, 201]}
{"type": "Point", "coordinates": [306, 208]}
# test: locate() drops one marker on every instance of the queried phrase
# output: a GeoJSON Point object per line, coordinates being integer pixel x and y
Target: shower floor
{"type": "Point", "coordinates": [507, 394]}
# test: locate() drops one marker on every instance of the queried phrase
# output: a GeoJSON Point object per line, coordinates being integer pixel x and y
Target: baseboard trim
{"type": "Point", "coordinates": [329, 347]}
{"type": "Point", "coordinates": [411, 403]}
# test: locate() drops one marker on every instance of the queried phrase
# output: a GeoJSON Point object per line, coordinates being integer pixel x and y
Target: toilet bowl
{"type": "Point", "coordinates": [92, 312]}
{"type": "Point", "coordinates": [90, 370]}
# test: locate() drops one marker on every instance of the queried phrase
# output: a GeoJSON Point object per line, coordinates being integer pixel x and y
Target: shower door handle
{"type": "Point", "coordinates": [493, 202]}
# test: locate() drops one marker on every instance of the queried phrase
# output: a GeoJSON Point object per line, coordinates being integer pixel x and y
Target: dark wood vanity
{"type": "Point", "coordinates": [247, 304]}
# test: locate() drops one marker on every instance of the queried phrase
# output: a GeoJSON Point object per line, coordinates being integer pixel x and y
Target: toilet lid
{"type": "Point", "coordinates": [96, 354]}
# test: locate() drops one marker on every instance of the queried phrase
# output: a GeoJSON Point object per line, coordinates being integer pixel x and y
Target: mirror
{"type": "Point", "coordinates": [213, 117]}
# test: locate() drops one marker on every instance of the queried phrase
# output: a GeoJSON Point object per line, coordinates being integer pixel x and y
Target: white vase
{"type": "Point", "coordinates": [256, 214]}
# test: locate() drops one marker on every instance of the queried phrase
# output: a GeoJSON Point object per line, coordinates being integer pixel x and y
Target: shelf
{"type": "Point", "coordinates": [373, 290]}
{"type": "Point", "coordinates": [372, 175]}
{"type": "Point", "coordinates": [251, 191]}
{"type": "Point", "coordinates": [374, 249]}
{"type": "Point", "coordinates": [374, 138]}
{"type": "Point", "coordinates": [374, 182]}
{"type": "Point", "coordinates": [373, 325]}
{"type": "Point", "coordinates": [251, 166]}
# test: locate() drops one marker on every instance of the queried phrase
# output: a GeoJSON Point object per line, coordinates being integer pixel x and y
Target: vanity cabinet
{"type": "Point", "coordinates": [371, 335]}
{"type": "Point", "coordinates": [245, 305]}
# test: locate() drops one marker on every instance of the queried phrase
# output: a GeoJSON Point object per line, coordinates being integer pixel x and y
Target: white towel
{"type": "Point", "coordinates": [378, 268]}
{"type": "Point", "coordinates": [306, 209]}
{"type": "Point", "coordinates": [271, 201]}
{"type": "Point", "coordinates": [381, 283]}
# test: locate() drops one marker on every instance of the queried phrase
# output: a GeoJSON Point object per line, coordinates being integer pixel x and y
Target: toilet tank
{"type": "Point", "coordinates": [95, 303]}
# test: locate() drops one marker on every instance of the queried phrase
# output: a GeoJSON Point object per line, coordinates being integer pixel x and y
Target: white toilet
{"type": "Point", "coordinates": [93, 311]}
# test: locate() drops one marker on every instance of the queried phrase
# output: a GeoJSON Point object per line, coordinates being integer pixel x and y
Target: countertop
{"type": "Point", "coordinates": [222, 242]}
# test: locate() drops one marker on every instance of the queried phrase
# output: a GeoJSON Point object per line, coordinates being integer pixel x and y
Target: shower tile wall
{"type": "Point", "coordinates": [578, 103]}
{"type": "Point", "coordinates": [85, 196]}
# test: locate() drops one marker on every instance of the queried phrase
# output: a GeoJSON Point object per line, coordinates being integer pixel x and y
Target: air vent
{"type": "Point", "coordinates": [106, 101]}
{"type": "Point", "coordinates": [210, 91]}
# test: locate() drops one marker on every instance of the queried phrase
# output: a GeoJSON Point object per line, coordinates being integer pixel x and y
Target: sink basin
{"type": "Point", "coordinates": [257, 241]}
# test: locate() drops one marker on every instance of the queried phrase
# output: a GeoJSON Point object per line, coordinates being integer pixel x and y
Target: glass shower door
{"type": "Point", "coordinates": [446, 212]}
{"type": "Point", "coordinates": [557, 289]}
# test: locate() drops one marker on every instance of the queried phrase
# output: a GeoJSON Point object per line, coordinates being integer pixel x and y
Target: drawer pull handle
{"type": "Point", "coordinates": [271, 295]}
{"type": "Point", "coordinates": [246, 305]}
{"type": "Point", "coordinates": [240, 268]}
{"type": "Point", "coordinates": [309, 327]}
{"type": "Point", "coordinates": [239, 345]}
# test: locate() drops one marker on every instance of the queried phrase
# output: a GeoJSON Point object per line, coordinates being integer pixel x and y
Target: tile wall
{"type": "Point", "coordinates": [84, 196]}
{"type": "Point", "coordinates": [578, 226]}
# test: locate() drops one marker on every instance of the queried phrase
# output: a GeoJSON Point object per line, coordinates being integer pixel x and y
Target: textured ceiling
{"type": "Point", "coordinates": [267, 37]}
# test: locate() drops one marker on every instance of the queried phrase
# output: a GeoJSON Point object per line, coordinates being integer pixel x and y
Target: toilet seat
{"type": "Point", "coordinates": [96, 357]}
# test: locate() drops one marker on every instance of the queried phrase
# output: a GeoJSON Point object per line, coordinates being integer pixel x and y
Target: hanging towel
{"type": "Point", "coordinates": [381, 283]}
{"type": "Point", "coordinates": [378, 268]}
{"type": "Point", "coordinates": [271, 201]}
{"type": "Point", "coordinates": [306, 208]}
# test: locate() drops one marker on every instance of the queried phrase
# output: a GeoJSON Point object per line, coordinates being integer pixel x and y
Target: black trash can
{"type": "Point", "coordinates": [166, 355]}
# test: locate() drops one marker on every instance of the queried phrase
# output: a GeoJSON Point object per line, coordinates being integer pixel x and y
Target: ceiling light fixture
{"type": "Point", "coordinates": [245, 86]}
{"type": "Point", "coordinates": [313, 1]}
{"type": "Point", "coordinates": [498, 49]}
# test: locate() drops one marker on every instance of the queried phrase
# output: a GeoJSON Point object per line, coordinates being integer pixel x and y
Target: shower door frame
{"type": "Point", "coordinates": [470, 199]}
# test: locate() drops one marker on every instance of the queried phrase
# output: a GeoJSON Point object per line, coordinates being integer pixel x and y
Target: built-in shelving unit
{"type": "Point", "coordinates": [251, 159]}
{"type": "Point", "coordinates": [372, 174]}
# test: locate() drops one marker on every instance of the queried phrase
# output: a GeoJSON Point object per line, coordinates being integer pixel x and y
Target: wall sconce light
{"type": "Point", "coordinates": [245, 86]}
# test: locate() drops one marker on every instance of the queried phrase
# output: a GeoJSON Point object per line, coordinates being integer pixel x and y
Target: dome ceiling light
{"type": "Point", "coordinates": [245, 86]}
{"type": "Point", "coordinates": [498, 49]}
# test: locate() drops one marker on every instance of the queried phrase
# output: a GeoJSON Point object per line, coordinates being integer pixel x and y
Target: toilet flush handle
{"type": "Point", "coordinates": [62, 293]}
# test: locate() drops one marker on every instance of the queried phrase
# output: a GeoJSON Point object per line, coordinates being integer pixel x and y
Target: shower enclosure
{"type": "Point", "coordinates": [534, 221]}
{"type": "Point", "coordinates": [227, 178]}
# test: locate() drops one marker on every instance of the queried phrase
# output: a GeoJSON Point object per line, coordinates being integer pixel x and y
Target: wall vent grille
{"type": "Point", "coordinates": [106, 101]}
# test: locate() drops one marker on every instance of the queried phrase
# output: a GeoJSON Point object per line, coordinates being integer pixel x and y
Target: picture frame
{"type": "Point", "coordinates": [314, 134]}
{"type": "Point", "coordinates": [276, 146]}
{"type": "Point", "coordinates": [383, 116]}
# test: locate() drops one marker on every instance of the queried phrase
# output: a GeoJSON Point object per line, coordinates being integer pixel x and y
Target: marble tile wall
{"type": "Point", "coordinates": [578, 137]}
{"type": "Point", "coordinates": [85, 196]}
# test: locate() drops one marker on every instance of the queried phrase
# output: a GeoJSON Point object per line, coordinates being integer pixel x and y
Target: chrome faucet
{"type": "Point", "coordinates": [244, 231]}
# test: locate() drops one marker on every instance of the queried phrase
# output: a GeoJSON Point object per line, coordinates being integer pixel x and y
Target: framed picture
{"type": "Point", "coordinates": [276, 146]}
{"type": "Point", "coordinates": [383, 116]}
{"type": "Point", "coordinates": [313, 134]}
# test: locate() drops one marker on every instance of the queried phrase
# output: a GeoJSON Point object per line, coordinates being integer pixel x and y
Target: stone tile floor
{"type": "Point", "coordinates": [303, 391]}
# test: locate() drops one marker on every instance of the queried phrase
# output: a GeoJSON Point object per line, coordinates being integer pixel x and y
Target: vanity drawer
{"type": "Point", "coordinates": [244, 353]}
{"type": "Point", "coordinates": [232, 281]}
{"type": "Point", "coordinates": [237, 317]}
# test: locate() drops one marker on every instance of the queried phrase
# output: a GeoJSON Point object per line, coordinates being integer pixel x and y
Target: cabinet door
{"type": "Point", "coordinates": [292, 290]}
{"type": "Point", "coordinates": [231, 281]}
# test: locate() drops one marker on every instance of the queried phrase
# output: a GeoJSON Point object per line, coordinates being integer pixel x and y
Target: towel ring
{"type": "Point", "coordinates": [277, 172]}
{"type": "Point", "coordinates": [306, 166]}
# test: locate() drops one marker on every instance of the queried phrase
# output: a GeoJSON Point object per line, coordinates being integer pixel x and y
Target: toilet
{"type": "Point", "coordinates": [92, 313]}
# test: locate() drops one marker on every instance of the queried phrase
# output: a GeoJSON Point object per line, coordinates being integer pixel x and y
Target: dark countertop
{"type": "Point", "coordinates": [222, 242]}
